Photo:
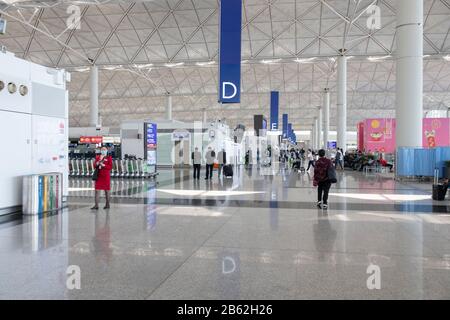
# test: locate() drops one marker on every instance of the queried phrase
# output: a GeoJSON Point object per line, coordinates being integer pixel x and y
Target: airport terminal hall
{"type": "Point", "coordinates": [222, 150]}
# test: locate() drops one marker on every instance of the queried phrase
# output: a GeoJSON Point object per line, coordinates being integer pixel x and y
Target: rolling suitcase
{"type": "Point", "coordinates": [439, 190]}
{"type": "Point", "coordinates": [228, 171]}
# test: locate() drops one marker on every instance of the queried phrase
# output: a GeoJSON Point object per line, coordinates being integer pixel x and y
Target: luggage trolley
{"type": "Point", "coordinates": [91, 168]}
{"type": "Point", "coordinates": [122, 168]}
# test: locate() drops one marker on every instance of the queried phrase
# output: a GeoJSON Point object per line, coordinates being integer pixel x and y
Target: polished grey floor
{"type": "Point", "coordinates": [257, 236]}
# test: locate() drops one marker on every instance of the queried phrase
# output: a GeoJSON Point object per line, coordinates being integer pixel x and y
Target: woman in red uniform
{"type": "Point", "coordinates": [103, 163]}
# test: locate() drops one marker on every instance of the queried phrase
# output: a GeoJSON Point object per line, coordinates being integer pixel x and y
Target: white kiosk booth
{"type": "Point", "coordinates": [33, 126]}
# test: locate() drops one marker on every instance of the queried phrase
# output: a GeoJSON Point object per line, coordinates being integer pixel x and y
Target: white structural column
{"type": "Point", "coordinates": [326, 115]}
{"type": "Point", "coordinates": [169, 107]}
{"type": "Point", "coordinates": [93, 111]}
{"type": "Point", "coordinates": [319, 127]}
{"type": "Point", "coordinates": [313, 135]}
{"type": "Point", "coordinates": [409, 61]}
{"type": "Point", "coordinates": [342, 102]}
{"type": "Point", "coordinates": [316, 129]}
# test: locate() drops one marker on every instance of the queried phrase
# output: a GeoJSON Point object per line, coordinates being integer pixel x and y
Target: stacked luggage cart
{"type": "Point", "coordinates": [132, 169]}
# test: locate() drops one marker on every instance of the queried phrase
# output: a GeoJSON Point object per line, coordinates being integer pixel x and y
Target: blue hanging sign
{"type": "Point", "coordinates": [230, 51]}
{"type": "Point", "coordinates": [274, 106]}
{"type": "Point", "coordinates": [285, 126]}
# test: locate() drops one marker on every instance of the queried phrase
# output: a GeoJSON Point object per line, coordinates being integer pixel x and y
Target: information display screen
{"type": "Point", "coordinates": [151, 144]}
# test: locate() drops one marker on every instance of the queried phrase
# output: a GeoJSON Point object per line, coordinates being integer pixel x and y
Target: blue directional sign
{"type": "Point", "coordinates": [274, 106]}
{"type": "Point", "coordinates": [230, 51]}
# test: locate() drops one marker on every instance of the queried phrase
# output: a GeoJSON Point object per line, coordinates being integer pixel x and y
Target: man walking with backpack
{"type": "Point", "coordinates": [324, 176]}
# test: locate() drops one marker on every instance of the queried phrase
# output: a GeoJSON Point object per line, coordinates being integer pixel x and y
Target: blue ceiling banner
{"type": "Point", "coordinates": [274, 107]}
{"type": "Point", "coordinates": [289, 131]}
{"type": "Point", "coordinates": [230, 51]}
{"type": "Point", "coordinates": [285, 125]}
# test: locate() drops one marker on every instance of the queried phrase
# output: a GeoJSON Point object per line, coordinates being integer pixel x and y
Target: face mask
{"type": "Point", "coordinates": [104, 152]}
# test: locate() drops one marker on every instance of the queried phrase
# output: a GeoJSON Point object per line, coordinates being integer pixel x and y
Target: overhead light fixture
{"type": "Point", "coordinates": [111, 68]}
{"type": "Point", "coordinates": [203, 64]}
{"type": "Point", "coordinates": [2, 26]}
{"type": "Point", "coordinates": [173, 65]}
{"type": "Point", "coordinates": [143, 66]}
{"type": "Point", "coordinates": [306, 60]}
{"type": "Point", "coordinates": [271, 61]}
{"type": "Point", "coordinates": [81, 69]}
{"type": "Point", "coordinates": [376, 59]}
{"type": "Point", "coordinates": [447, 57]}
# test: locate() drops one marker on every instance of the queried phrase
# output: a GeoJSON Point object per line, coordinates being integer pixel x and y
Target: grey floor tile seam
{"type": "Point", "coordinates": [188, 258]}
{"type": "Point", "coordinates": [416, 208]}
{"type": "Point", "coordinates": [434, 255]}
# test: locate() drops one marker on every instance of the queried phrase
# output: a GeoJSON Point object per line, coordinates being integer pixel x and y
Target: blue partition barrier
{"type": "Point", "coordinates": [405, 162]}
{"type": "Point", "coordinates": [424, 162]}
{"type": "Point", "coordinates": [413, 162]}
{"type": "Point", "coordinates": [442, 155]}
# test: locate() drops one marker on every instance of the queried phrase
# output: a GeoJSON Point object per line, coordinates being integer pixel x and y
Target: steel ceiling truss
{"type": "Point", "coordinates": [122, 37]}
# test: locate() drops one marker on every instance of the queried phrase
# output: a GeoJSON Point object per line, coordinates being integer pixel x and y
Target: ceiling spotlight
{"type": "Point", "coordinates": [173, 65]}
{"type": "Point", "coordinates": [447, 57]}
{"type": "Point", "coordinates": [203, 64]}
{"type": "Point", "coordinates": [307, 60]}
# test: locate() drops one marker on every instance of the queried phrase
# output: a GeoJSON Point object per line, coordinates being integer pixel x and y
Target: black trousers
{"type": "Point", "coordinates": [197, 168]}
{"type": "Point", "coordinates": [310, 163]}
{"type": "Point", "coordinates": [209, 171]}
{"type": "Point", "coordinates": [322, 192]}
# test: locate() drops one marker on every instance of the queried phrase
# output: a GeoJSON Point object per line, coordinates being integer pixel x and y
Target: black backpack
{"type": "Point", "coordinates": [331, 174]}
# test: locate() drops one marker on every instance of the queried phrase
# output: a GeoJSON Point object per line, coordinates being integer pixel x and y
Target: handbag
{"type": "Point", "coordinates": [95, 175]}
{"type": "Point", "coordinates": [331, 174]}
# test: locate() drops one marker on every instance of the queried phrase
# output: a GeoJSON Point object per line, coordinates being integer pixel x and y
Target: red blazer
{"type": "Point", "coordinates": [104, 173]}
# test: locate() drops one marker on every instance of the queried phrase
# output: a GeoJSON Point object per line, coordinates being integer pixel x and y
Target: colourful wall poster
{"type": "Point", "coordinates": [436, 132]}
{"type": "Point", "coordinates": [379, 135]}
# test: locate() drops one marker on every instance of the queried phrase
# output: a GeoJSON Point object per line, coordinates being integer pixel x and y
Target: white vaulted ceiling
{"type": "Point", "coordinates": [147, 48]}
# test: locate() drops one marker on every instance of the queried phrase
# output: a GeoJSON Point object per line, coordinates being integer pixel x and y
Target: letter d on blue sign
{"type": "Point", "coordinates": [230, 51]}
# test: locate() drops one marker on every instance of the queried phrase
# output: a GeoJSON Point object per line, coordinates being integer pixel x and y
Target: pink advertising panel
{"type": "Point", "coordinates": [436, 132]}
{"type": "Point", "coordinates": [379, 134]}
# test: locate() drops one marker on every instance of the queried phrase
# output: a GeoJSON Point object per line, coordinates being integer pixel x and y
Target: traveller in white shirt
{"type": "Point", "coordinates": [310, 159]}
